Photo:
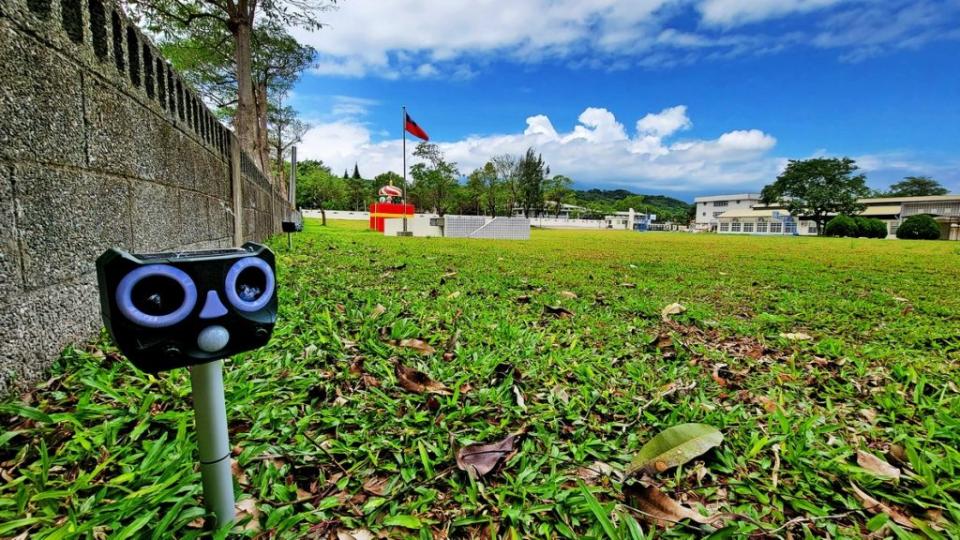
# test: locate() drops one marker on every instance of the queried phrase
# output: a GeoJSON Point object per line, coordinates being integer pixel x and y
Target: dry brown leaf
{"type": "Point", "coordinates": [594, 470]}
{"type": "Point", "coordinates": [248, 507]}
{"type": "Point", "coordinates": [378, 310]}
{"type": "Point", "coordinates": [356, 534]}
{"type": "Point", "coordinates": [629, 285]}
{"type": "Point", "coordinates": [661, 509]}
{"type": "Point", "coordinates": [523, 299]}
{"type": "Point", "coordinates": [522, 403]}
{"type": "Point", "coordinates": [877, 466]}
{"type": "Point", "coordinates": [557, 311]}
{"type": "Point", "coordinates": [418, 381]}
{"type": "Point", "coordinates": [768, 404]}
{"type": "Point", "coordinates": [454, 295]}
{"type": "Point", "coordinates": [376, 485]}
{"type": "Point", "coordinates": [239, 473]}
{"type": "Point", "coordinates": [479, 459]}
{"type": "Point", "coordinates": [875, 507]}
{"type": "Point", "coordinates": [568, 294]}
{"type": "Point", "coordinates": [419, 345]}
{"type": "Point", "coordinates": [197, 523]}
{"type": "Point", "coordinates": [672, 309]}
{"type": "Point", "coordinates": [795, 336]}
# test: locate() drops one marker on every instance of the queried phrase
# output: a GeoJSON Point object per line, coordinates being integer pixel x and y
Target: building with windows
{"type": "Point", "coordinates": [766, 220]}
{"type": "Point", "coordinates": [709, 209]}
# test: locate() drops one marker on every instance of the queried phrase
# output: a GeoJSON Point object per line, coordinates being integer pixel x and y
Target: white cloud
{"type": "Point", "coordinates": [597, 150]}
{"type": "Point", "coordinates": [665, 123]}
{"type": "Point", "coordinates": [731, 12]}
{"type": "Point", "coordinates": [453, 38]}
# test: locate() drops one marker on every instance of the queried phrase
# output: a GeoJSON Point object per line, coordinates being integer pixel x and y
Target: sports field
{"type": "Point", "coordinates": [830, 366]}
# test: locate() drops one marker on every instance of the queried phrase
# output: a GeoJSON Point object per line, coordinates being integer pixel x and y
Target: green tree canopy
{"type": "Point", "coordinates": [435, 180]}
{"type": "Point", "coordinates": [531, 173]}
{"type": "Point", "coordinates": [818, 188]}
{"type": "Point", "coordinates": [917, 186]}
{"type": "Point", "coordinates": [318, 187]}
{"type": "Point", "coordinates": [559, 191]}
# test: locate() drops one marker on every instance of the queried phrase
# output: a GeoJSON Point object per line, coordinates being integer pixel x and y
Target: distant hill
{"type": "Point", "coordinates": [666, 208]}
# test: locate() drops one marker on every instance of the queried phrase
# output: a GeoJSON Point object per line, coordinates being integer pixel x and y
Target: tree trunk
{"type": "Point", "coordinates": [244, 120]}
{"type": "Point", "coordinates": [323, 215]}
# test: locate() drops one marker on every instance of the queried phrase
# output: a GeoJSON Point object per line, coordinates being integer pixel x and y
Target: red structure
{"type": "Point", "coordinates": [389, 205]}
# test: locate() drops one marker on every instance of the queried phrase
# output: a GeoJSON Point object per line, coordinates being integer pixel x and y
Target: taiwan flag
{"type": "Point", "coordinates": [415, 130]}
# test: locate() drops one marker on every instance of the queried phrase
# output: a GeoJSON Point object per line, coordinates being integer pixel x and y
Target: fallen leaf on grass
{"type": "Point", "coordinates": [795, 336]}
{"type": "Point", "coordinates": [672, 309]}
{"type": "Point", "coordinates": [661, 509]}
{"type": "Point", "coordinates": [629, 285]}
{"type": "Point", "coordinates": [239, 473]}
{"type": "Point", "coordinates": [479, 459]}
{"type": "Point", "coordinates": [557, 311]}
{"type": "Point", "coordinates": [523, 299]}
{"type": "Point", "coordinates": [568, 294]}
{"type": "Point", "coordinates": [376, 485]}
{"type": "Point", "coordinates": [418, 381]}
{"type": "Point", "coordinates": [675, 446]}
{"type": "Point", "coordinates": [419, 345]}
{"type": "Point", "coordinates": [356, 534]}
{"type": "Point", "coordinates": [594, 470]}
{"type": "Point", "coordinates": [877, 466]}
{"type": "Point", "coordinates": [454, 295]}
{"type": "Point", "coordinates": [248, 508]}
{"type": "Point", "coordinates": [522, 403]}
{"type": "Point", "coordinates": [875, 507]}
{"type": "Point", "coordinates": [378, 310]}
{"type": "Point", "coordinates": [768, 404]}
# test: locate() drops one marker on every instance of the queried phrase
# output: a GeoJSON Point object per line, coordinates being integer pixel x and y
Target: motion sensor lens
{"type": "Point", "coordinates": [157, 295]}
{"type": "Point", "coordinates": [250, 284]}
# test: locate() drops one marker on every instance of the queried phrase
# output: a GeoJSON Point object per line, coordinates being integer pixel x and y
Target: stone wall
{"type": "Point", "coordinates": [101, 144]}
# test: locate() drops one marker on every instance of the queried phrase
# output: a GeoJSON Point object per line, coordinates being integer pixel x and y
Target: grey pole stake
{"type": "Point", "coordinates": [210, 411]}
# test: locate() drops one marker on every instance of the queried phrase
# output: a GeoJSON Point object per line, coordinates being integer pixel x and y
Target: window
{"type": "Point", "coordinates": [734, 227]}
{"type": "Point", "coordinates": [761, 227]}
{"type": "Point", "coordinates": [738, 202]}
{"type": "Point", "coordinates": [748, 227]}
{"type": "Point", "coordinates": [790, 227]}
{"type": "Point", "coordinates": [776, 227]}
{"type": "Point", "coordinates": [812, 230]}
{"type": "Point", "coordinates": [704, 214]}
{"type": "Point", "coordinates": [717, 214]}
{"type": "Point", "coordinates": [719, 203]}
{"type": "Point", "coordinates": [724, 227]}
{"type": "Point", "coordinates": [893, 227]}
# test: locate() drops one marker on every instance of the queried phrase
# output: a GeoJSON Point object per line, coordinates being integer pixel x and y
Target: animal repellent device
{"type": "Point", "coordinates": [192, 309]}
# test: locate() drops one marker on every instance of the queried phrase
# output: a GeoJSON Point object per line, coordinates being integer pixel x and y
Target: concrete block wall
{"type": "Point", "coordinates": [101, 144]}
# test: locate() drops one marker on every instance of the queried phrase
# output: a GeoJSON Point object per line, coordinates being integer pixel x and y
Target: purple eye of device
{"type": "Point", "coordinates": [249, 284]}
{"type": "Point", "coordinates": [156, 295]}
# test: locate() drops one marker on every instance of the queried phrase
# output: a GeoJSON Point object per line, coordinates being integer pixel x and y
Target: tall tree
{"type": "Point", "coordinates": [388, 178]}
{"type": "Point", "coordinates": [182, 19]}
{"type": "Point", "coordinates": [531, 172]}
{"type": "Point", "coordinates": [505, 166]}
{"type": "Point", "coordinates": [356, 172]}
{"type": "Point", "coordinates": [286, 130]}
{"type": "Point", "coordinates": [318, 187]}
{"type": "Point", "coordinates": [818, 188]}
{"type": "Point", "coordinates": [917, 186]}
{"type": "Point", "coordinates": [559, 191]}
{"type": "Point", "coordinates": [434, 178]}
{"type": "Point", "coordinates": [485, 188]}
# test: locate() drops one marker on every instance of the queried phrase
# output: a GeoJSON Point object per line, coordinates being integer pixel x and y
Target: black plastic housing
{"type": "Point", "coordinates": [162, 347]}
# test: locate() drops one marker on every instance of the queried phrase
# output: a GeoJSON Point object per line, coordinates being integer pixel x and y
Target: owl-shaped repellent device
{"type": "Point", "coordinates": [169, 310]}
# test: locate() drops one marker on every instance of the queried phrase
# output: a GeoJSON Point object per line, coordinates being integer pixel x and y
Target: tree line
{"type": "Point", "coordinates": [504, 184]}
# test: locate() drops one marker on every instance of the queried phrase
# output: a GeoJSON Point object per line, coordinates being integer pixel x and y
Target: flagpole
{"type": "Point", "coordinates": [403, 129]}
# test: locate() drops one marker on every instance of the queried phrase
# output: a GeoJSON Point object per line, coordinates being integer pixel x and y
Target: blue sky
{"type": "Point", "coordinates": [684, 97]}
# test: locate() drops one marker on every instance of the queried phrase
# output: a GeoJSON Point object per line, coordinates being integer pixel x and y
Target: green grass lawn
{"type": "Point", "coordinates": [326, 440]}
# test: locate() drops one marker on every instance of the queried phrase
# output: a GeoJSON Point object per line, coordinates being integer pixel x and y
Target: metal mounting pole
{"type": "Point", "coordinates": [210, 411]}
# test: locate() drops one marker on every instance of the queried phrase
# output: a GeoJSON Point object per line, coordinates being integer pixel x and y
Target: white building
{"type": "Point", "coordinates": [709, 209]}
{"type": "Point", "coordinates": [767, 220]}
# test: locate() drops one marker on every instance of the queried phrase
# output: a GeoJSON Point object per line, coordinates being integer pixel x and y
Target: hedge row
{"type": "Point", "coordinates": [856, 227]}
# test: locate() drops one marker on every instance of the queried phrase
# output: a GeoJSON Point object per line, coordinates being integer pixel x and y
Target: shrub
{"type": "Point", "coordinates": [870, 227]}
{"type": "Point", "coordinates": [841, 226]}
{"type": "Point", "coordinates": [919, 227]}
